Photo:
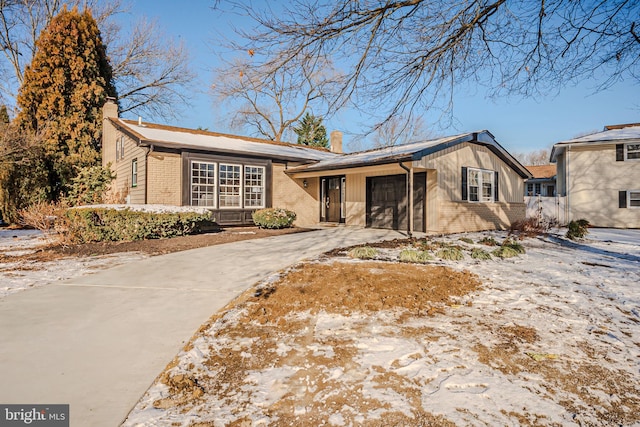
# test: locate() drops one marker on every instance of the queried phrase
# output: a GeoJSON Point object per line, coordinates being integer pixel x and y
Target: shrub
{"type": "Point", "coordinates": [273, 218]}
{"type": "Point", "coordinates": [578, 229]}
{"type": "Point", "coordinates": [90, 186]}
{"type": "Point", "coordinates": [410, 255]}
{"type": "Point", "coordinates": [451, 254]}
{"type": "Point", "coordinates": [363, 252]}
{"type": "Point", "coordinates": [531, 227]}
{"type": "Point", "coordinates": [514, 245]}
{"type": "Point", "coordinates": [466, 240]}
{"type": "Point", "coordinates": [50, 218]}
{"type": "Point", "coordinates": [433, 245]}
{"type": "Point", "coordinates": [505, 252]}
{"type": "Point", "coordinates": [101, 224]}
{"type": "Point", "coordinates": [488, 241]}
{"type": "Point", "coordinates": [480, 254]}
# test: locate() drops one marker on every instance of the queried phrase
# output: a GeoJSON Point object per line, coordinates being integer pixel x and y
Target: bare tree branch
{"type": "Point", "coordinates": [399, 131]}
{"type": "Point", "coordinates": [269, 102]}
{"type": "Point", "coordinates": [411, 54]}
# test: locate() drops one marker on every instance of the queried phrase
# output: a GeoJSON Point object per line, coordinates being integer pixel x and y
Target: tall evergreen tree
{"type": "Point", "coordinates": [62, 95]}
{"type": "Point", "coordinates": [311, 131]}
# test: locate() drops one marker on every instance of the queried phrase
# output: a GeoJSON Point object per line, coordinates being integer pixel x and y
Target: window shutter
{"type": "Point", "coordinates": [464, 183]}
{"type": "Point", "coordinates": [622, 199]}
{"type": "Point", "coordinates": [496, 198]}
{"type": "Point", "coordinates": [619, 152]}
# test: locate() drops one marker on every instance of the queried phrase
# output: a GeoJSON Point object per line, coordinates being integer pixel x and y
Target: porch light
{"type": "Point", "coordinates": [305, 184]}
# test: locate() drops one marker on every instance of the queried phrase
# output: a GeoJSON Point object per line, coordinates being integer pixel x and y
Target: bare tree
{"type": "Point", "coordinates": [151, 70]}
{"type": "Point", "coordinates": [410, 54]}
{"type": "Point", "coordinates": [268, 102]}
{"type": "Point", "coordinates": [400, 130]}
{"type": "Point", "coordinates": [16, 145]}
{"type": "Point", "coordinates": [534, 158]}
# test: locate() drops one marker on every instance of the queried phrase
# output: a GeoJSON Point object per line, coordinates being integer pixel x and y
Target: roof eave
{"type": "Point", "coordinates": [182, 146]}
{"type": "Point", "coordinates": [319, 168]}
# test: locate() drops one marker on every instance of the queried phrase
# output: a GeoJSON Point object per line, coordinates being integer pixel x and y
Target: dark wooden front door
{"type": "Point", "coordinates": [332, 194]}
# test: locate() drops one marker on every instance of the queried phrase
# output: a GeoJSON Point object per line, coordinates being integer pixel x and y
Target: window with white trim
{"type": "Point", "coordinates": [633, 199]}
{"type": "Point", "coordinates": [120, 148]}
{"type": "Point", "coordinates": [480, 185]}
{"type": "Point", "coordinates": [254, 187]}
{"type": "Point", "coordinates": [230, 185]}
{"type": "Point", "coordinates": [203, 184]}
{"type": "Point", "coordinates": [134, 172]}
{"type": "Point", "coordinates": [632, 151]}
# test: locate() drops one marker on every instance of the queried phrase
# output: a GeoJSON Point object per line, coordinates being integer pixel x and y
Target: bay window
{"type": "Point", "coordinates": [227, 186]}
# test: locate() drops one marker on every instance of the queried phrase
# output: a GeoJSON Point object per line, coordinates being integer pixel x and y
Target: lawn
{"type": "Point", "coordinates": [548, 337]}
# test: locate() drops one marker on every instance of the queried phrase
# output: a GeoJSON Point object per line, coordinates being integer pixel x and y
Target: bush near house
{"type": "Point", "coordinates": [103, 225]}
{"type": "Point", "coordinates": [83, 225]}
{"type": "Point", "coordinates": [273, 218]}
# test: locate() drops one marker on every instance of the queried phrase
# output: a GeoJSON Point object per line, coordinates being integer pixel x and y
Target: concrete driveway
{"type": "Point", "coordinates": [97, 342]}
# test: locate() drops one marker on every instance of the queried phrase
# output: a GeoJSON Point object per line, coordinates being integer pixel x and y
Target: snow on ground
{"type": "Point", "coordinates": [18, 272]}
{"type": "Point", "coordinates": [553, 338]}
{"type": "Point", "coordinates": [152, 208]}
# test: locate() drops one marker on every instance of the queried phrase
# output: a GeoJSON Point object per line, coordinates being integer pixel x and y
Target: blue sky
{"type": "Point", "coordinates": [520, 125]}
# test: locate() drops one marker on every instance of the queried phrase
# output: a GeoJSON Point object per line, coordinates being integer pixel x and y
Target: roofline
{"type": "Point", "coordinates": [143, 141]}
{"type": "Point", "coordinates": [559, 146]}
{"type": "Point", "coordinates": [226, 135]}
{"type": "Point", "coordinates": [484, 138]}
{"type": "Point", "coordinates": [621, 126]}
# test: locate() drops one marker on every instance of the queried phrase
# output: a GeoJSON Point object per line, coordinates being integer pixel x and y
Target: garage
{"type": "Point", "coordinates": [387, 201]}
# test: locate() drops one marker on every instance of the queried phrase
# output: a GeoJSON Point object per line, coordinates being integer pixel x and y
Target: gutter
{"type": "Point", "coordinates": [409, 201]}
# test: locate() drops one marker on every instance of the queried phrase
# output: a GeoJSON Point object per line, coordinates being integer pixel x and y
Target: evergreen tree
{"type": "Point", "coordinates": [4, 115]}
{"type": "Point", "coordinates": [62, 95]}
{"type": "Point", "coordinates": [311, 131]}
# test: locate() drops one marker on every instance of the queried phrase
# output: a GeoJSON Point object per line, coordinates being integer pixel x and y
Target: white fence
{"type": "Point", "coordinates": [547, 209]}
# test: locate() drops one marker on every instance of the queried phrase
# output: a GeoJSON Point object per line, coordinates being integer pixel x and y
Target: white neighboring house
{"type": "Point", "coordinates": [599, 176]}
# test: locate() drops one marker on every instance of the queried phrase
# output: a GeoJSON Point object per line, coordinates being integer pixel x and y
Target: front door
{"type": "Point", "coordinates": [333, 199]}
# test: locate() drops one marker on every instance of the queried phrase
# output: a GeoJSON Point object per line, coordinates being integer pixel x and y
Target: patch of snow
{"type": "Point", "coordinates": [151, 208]}
{"type": "Point", "coordinates": [581, 299]}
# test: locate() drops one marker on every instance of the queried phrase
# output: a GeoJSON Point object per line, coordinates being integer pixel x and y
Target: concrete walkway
{"type": "Point", "coordinates": [97, 342]}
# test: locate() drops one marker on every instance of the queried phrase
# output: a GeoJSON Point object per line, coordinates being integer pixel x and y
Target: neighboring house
{"type": "Point", "coordinates": [543, 182]}
{"type": "Point", "coordinates": [599, 176]}
{"type": "Point", "coordinates": [461, 183]}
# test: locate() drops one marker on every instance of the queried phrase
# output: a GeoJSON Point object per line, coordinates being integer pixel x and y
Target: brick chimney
{"type": "Point", "coordinates": [336, 142]}
{"type": "Point", "coordinates": [110, 108]}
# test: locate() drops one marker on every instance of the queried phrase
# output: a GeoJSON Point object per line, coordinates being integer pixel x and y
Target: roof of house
{"type": "Point", "coordinates": [411, 152]}
{"type": "Point", "coordinates": [542, 171]}
{"type": "Point", "coordinates": [182, 138]}
{"type": "Point", "coordinates": [610, 134]}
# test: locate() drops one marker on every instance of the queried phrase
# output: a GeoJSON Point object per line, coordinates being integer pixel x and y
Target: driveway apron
{"type": "Point", "coordinates": [97, 342]}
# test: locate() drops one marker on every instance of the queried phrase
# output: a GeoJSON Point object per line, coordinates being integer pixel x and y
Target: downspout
{"type": "Point", "coordinates": [409, 210]}
{"type": "Point", "coordinates": [566, 190]}
{"type": "Point", "coordinates": [146, 172]}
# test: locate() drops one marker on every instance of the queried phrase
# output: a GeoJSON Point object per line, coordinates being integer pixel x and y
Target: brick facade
{"type": "Point", "coordinates": [290, 193]}
{"type": "Point", "coordinates": [164, 179]}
